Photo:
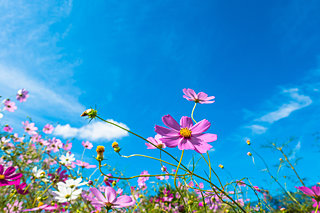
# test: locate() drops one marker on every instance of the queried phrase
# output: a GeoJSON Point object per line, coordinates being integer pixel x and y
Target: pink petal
{"type": "Point", "coordinates": [200, 127]}
{"type": "Point", "coordinates": [207, 137]}
{"type": "Point", "coordinates": [98, 194]}
{"type": "Point", "coordinates": [110, 194]}
{"type": "Point", "coordinates": [306, 190]}
{"type": "Point", "coordinates": [203, 147]}
{"type": "Point", "coordinates": [206, 102]}
{"type": "Point", "coordinates": [123, 201]}
{"type": "Point", "coordinates": [14, 177]}
{"type": "Point", "coordinates": [171, 141]}
{"type": "Point", "coordinates": [186, 122]}
{"type": "Point", "coordinates": [185, 144]}
{"type": "Point", "coordinates": [202, 96]}
{"type": "Point", "coordinates": [165, 131]}
{"type": "Point", "coordinates": [1, 169]}
{"type": "Point", "coordinates": [192, 93]}
{"type": "Point", "coordinates": [9, 171]}
{"type": "Point", "coordinates": [169, 121]}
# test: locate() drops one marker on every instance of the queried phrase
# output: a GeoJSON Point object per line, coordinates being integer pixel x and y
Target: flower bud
{"type": "Point", "coordinates": [115, 144]}
{"type": "Point", "coordinates": [249, 154]}
{"type": "Point", "coordinates": [140, 196]}
{"type": "Point", "coordinates": [190, 202]}
{"type": "Point", "coordinates": [221, 166]}
{"type": "Point", "coordinates": [181, 208]}
{"type": "Point", "coordinates": [248, 142]}
{"type": "Point", "coordinates": [90, 182]}
{"type": "Point", "coordinates": [117, 149]}
{"type": "Point", "coordinates": [91, 113]}
{"type": "Point", "coordinates": [100, 151]}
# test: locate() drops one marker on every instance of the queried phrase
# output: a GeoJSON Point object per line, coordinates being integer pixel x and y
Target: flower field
{"type": "Point", "coordinates": [41, 173]}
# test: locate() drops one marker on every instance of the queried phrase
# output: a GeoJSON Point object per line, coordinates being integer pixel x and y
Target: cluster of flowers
{"type": "Point", "coordinates": [38, 172]}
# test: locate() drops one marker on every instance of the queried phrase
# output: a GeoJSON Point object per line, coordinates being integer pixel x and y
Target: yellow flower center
{"type": "Point", "coordinates": [67, 196]}
{"type": "Point", "coordinates": [160, 146]}
{"type": "Point", "coordinates": [2, 177]}
{"type": "Point", "coordinates": [185, 132]}
{"type": "Point", "coordinates": [40, 204]}
{"type": "Point", "coordinates": [108, 205]}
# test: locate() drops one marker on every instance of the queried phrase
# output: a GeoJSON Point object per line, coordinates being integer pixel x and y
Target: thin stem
{"type": "Point", "coordinates": [292, 167]}
{"type": "Point", "coordinates": [175, 178]}
{"type": "Point", "coordinates": [195, 104]}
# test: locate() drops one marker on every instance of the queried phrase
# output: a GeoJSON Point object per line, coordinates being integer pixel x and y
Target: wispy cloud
{"type": "Point", "coordinates": [94, 131]}
{"type": "Point", "coordinates": [257, 129]}
{"type": "Point", "coordinates": [295, 150]}
{"type": "Point", "coordinates": [297, 102]}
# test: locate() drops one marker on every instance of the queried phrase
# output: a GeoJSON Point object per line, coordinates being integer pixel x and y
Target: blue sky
{"type": "Point", "coordinates": [131, 60]}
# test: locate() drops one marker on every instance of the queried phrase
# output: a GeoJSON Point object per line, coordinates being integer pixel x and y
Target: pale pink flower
{"type": "Point", "coordinates": [110, 200]}
{"type": "Point", "coordinates": [201, 97]}
{"type": "Point", "coordinates": [29, 128]}
{"type": "Point", "coordinates": [156, 141]}
{"type": "Point", "coordinates": [84, 164]}
{"type": "Point", "coordinates": [67, 146]}
{"type": "Point", "coordinates": [22, 95]}
{"type": "Point", "coordinates": [87, 145]}
{"type": "Point", "coordinates": [10, 105]}
{"type": "Point", "coordinates": [55, 145]}
{"type": "Point", "coordinates": [48, 129]}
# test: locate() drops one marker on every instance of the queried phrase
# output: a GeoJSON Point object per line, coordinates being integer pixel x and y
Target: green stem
{"type": "Point", "coordinates": [195, 104]}
{"type": "Point", "coordinates": [175, 179]}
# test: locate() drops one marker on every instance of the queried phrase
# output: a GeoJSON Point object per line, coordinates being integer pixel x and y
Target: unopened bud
{"type": "Point", "coordinates": [221, 166]}
{"type": "Point", "coordinates": [249, 154]}
{"type": "Point", "coordinates": [248, 142]}
{"type": "Point", "coordinates": [91, 113]}
{"type": "Point", "coordinates": [190, 202]}
{"type": "Point", "coordinates": [115, 144]}
{"type": "Point", "coordinates": [100, 151]}
{"type": "Point", "coordinates": [117, 149]}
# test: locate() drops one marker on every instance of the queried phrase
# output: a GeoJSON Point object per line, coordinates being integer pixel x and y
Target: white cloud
{"type": "Point", "coordinates": [93, 131]}
{"type": "Point", "coordinates": [297, 102]}
{"type": "Point", "coordinates": [257, 129]}
{"type": "Point", "coordinates": [295, 150]}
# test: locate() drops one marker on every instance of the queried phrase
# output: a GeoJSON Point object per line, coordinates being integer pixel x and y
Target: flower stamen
{"type": "Point", "coordinates": [185, 132]}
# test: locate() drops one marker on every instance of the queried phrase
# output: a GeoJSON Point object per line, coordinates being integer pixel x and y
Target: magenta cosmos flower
{"type": "Point", "coordinates": [10, 105]}
{"type": "Point", "coordinates": [7, 177]}
{"type": "Point", "coordinates": [156, 141]}
{"type": "Point", "coordinates": [110, 200]}
{"type": "Point", "coordinates": [186, 135]}
{"type": "Point", "coordinates": [314, 192]}
{"type": "Point", "coordinates": [22, 95]}
{"type": "Point", "coordinates": [48, 129]}
{"type": "Point", "coordinates": [201, 97]}
{"type": "Point", "coordinates": [7, 128]}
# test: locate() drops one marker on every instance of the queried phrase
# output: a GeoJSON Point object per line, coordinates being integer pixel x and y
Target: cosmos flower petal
{"type": "Point", "coordinates": [192, 93]}
{"type": "Point", "coordinates": [202, 95]}
{"type": "Point", "coordinates": [185, 144]}
{"type": "Point", "coordinates": [316, 190]}
{"type": "Point", "coordinates": [1, 169]}
{"type": "Point", "coordinates": [171, 142]}
{"type": "Point", "coordinates": [165, 131]}
{"type": "Point", "coordinates": [207, 137]}
{"type": "Point", "coordinates": [110, 194]}
{"type": "Point", "coordinates": [306, 190]}
{"type": "Point", "coordinates": [98, 194]}
{"type": "Point", "coordinates": [123, 201]}
{"type": "Point", "coordinates": [186, 122]}
{"type": "Point", "coordinates": [14, 176]}
{"type": "Point", "coordinates": [200, 127]}
{"type": "Point", "coordinates": [169, 121]}
{"type": "Point", "coordinates": [9, 171]}
{"type": "Point", "coordinates": [203, 147]}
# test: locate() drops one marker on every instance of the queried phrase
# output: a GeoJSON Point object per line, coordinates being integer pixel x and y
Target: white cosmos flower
{"type": "Point", "coordinates": [71, 183]}
{"type": "Point", "coordinates": [67, 159]}
{"type": "Point", "coordinates": [66, 194]}
{"type": "Point", "coordinates": [1, 115]}
{"type": "Point", "coordinates": [40, 174]}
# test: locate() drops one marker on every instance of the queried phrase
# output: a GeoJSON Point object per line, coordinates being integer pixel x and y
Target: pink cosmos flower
{"type": "Point", "coordinates": [22, 95]}
{"type": "Point", "coordinates": [48, 129]}
{"type": "Point", "coordinates": [110, 200]}
{"type": "Point", "coordinates": [21, 188]}
{"type": "Point", "coordinates": [16, 207]}
{"type": "Point", "coordinates": [84, 164]}
{"type": "Point", "coordinates": [29, 128]}
{"type": "Point", "coordinates": [55, 145]}
{"type": "Point", "coordinates": [186, 135]}
{"type": "Point", "coordinates": [67, 146]}
{"type": "Point", "coordinates": [10, 105]}
{"type": "Point", "coordinates": [7, 177]}
{"type": "Point", "coordinates": [87, 145]}
{"type": "Point", "coordinates": [156, 141]}
{"type": "Point", "coordinates": [314, 192]}
{"type": "Point", "coordinates": [7, 128]}
{"type": "Point", "coordinates": [142, 180]}
{"type": "Point", "coordinates": [201, 97]}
